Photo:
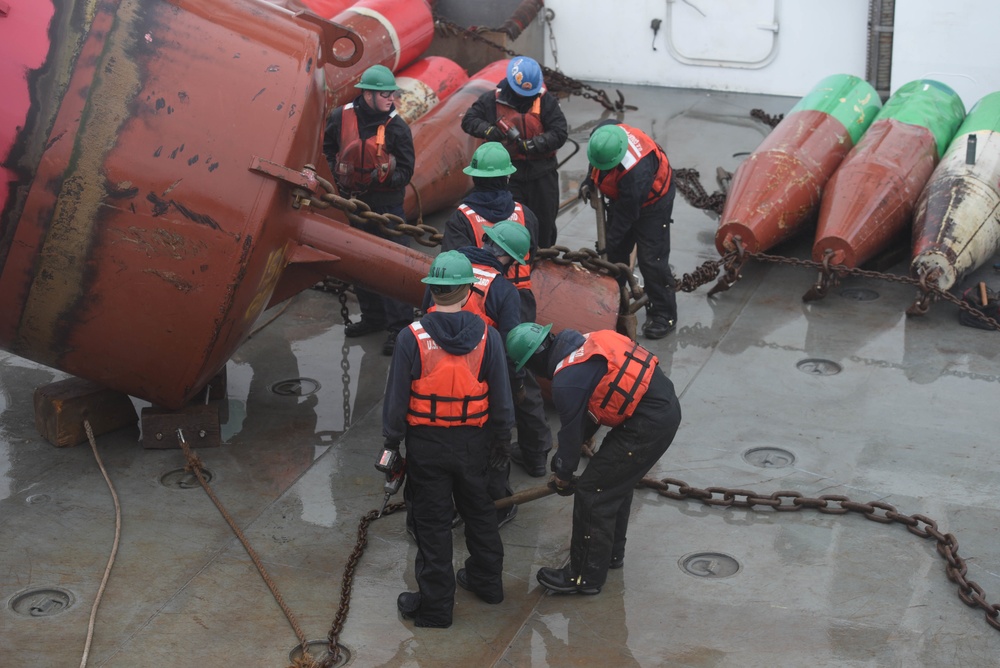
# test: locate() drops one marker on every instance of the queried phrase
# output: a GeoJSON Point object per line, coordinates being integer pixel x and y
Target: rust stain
{"type": "Point", "coordinates": [60, 273]}
{"type": "Point", "coordinates": [171, 278]}
{"type": "Point", "coordinates": [159, 242]}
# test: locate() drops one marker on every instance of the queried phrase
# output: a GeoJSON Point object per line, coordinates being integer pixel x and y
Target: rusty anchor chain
{"type": "Point", "coordinates": [357, 211]}
{"type": "Point", "coordinates": [956, 568]}
{"type": "Point", "coordinates": [829, 274]}
{"type": "Point", "coordinates": [946, 544]}
{"type": "Point", "coordinates": [554, 80]}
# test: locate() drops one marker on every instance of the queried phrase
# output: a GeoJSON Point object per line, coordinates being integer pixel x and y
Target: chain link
{"type": "Point", "coordinates": [877, 511]}
{"type": "Point", "coordinates": [549, 15]}
{"type": "Point", "coordinates": [347, 585]}
{"type": "Point", "coordinates": [767, 118]}
{"type": "Point", "coordinates": [689, 185]}
{"type": "Point", "coordinates": [428, 236]}
{"type": "Point", "coordinates": [555, 81]}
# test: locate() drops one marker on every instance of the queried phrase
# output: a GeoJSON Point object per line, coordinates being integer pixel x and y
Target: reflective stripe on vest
{"type": "Point", "coordinates": [448, 392]}
{"type": "Point", "coordinates": [518, 274]}
{"type": "Point", "coordinates": [639, 146]}
{"type": "Point", "coordinates": [630, 368]}
{"type": "Point", "coordinates": [476, 303]}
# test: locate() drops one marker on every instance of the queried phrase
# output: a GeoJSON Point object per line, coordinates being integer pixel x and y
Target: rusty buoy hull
{"type": "Point", "coordinates": [136, 253]}
{"type": "Point", "coordinates": [956, 227]}
{"type": "Point", "coordinates": [779, 186]}
{"type": "Point", "coordinates": [149, 227]}
{"type": "Point", "coordinates": [869, 201]}
{"type": "Point", "coordinates": [444, 149]}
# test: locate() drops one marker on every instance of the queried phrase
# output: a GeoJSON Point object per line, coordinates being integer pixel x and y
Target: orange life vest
{"type": "Point", "coordinates": [639, 146]}
{"type": "Point", "coordinates": [518, 274]}
{"type": "Point", "coordinates": [358, 158]}
{"type": "Point", "coordinates": [529, 125]}
{"type": "Point", "coordinates": [448, 392]}
{"type": "Point", "coordinates": [477, 293]}
{"type": "Point", "coordinates": [630, 368]}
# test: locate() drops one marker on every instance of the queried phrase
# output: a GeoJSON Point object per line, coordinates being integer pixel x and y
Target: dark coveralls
{"type": "Point", "coordinates": [603, 496]}
{"type": "Point", "coordinates": [536, 181]}
{"type": "Point", "coordinates": [503, 307]}
{"type": "Point", "coordinates": [380, 197]}
{"type": "Point", "coordinates": [491, 200]}
{"type": "Point", "coordinates": [647, 228]}
{"type": "Point", "coordinates": [446, 467]}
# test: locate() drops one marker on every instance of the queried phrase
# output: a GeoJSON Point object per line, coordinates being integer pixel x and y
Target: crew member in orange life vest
{"type": "Point", "coordinates": [370, 151]}
{"type": "Point", "coordinates": [633, 172]}
{"type": "Point", "coordinates": [489, 203]}
{"type": "Point", "coordinates": [598, 379]}
{"type": "Point", "coordinates": [496, 301]}
{"type": "Point", "coordinates": [448, 434]}
{"type": "Point", "coordinates": [528, 120]}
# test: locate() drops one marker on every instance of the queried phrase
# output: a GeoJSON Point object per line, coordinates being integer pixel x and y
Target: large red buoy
{"type": "Point", "coordinates": [394, 34]}
{"type": "Point", "coordinates": [149, 227]}
{"type": "Point", "coordinates": [426, 83]}
{"type": "Point", "coordinates": [135, 251]}
{"type": "Point", "coordinates": [444, 149]}
{"type": "Point", "coordinates": [327, 8]}
{"type": "Point", "coordinates": [870, 199]}
{"type": "Point", "coordinates": [779, 186]}
{"type": "Point", "coordinates": [25, 40]}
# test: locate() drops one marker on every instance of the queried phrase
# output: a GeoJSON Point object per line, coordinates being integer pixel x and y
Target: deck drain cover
{"type": "Point", "coordinates": [296, 387]}
{"type": "Point", "coordinates": [819, 367]}
{"type": "Point", "coordinates": [709, 565]}
{"type": "Point", "coordinates": [319, 650]}
{"type": "Point", "coordinates": [45, 602]}
{"type": "Point", "coordinates": [859, 294]}
{"type": "Point", "coordinates": [184, 479]}
{"type": "Point", "coordinates": [769, 458]}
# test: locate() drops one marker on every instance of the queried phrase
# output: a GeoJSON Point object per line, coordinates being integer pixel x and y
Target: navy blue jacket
{"type": "Point", "coordinates": [456, 333]}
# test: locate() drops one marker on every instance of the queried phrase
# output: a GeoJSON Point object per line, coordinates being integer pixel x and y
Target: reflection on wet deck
{"type": "Point", "coordinates": [845, 396]}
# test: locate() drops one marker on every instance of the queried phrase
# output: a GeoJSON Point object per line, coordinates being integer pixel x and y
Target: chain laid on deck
{"type": "Point", "coordinates": [969, 591]}
{"type": "Point", "coordinates": [555, 81]}
{"type": "Point", "coordinates": [347, 585]}
{"type": "Point", "coordinates": [831, 504]}
{"type": "Point", "coordinates": [829, 274]}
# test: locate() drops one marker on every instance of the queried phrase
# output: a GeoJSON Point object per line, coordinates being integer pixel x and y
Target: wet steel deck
{"type": "Point", "coordinates": [910, 420]}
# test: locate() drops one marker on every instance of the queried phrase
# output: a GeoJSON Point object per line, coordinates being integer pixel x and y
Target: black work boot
{"type": "Point", "coordinates": [657, 327]}
{"type": "Point", "coordinates": [408, 603]}
{"type": "Point", "coordinates": [533, 463]}
{"type": "Point", "coordinates": [560, 580]}
{"type": "Point", "coordinates": [462, 577]}
{"type": "Point", "coordinates": [362, 327]}
{"type": "Point", "coordinates": [390, 343]}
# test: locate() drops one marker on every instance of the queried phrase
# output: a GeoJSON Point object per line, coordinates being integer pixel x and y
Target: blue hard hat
{"type": "Point", "coordinates": [525, 76]}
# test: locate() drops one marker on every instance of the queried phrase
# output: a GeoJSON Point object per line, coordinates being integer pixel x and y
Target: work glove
{"type": "Point", "coordinates": [385, 171]}
{"type": "Point", "coordinates": [563, 487]}
{"type": "Point", "coordinates": [586, 190]}
{"type": "Point", "coordinates": [492, 133]}
{"type": "Point", "coordinates": [499, 456]}
{"type": "Point", "coordinates": [391, 444]}
{"type": "Point", "coordinates": [528, 147]}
